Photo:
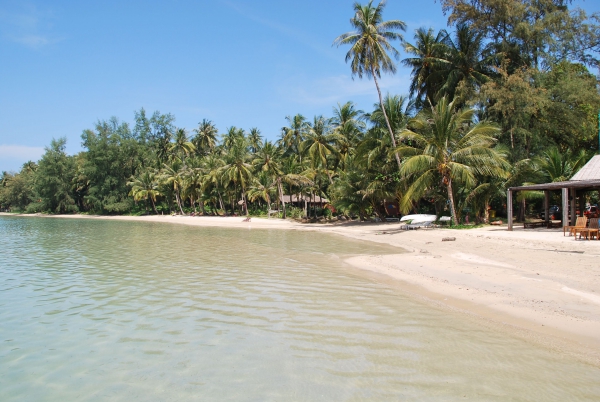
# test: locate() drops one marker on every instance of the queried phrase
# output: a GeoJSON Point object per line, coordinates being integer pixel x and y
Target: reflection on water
{"type": "Point", "coordinates": [98, 310]}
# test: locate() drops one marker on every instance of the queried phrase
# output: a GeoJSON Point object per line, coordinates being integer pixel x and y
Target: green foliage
{"type": "Point", "coordinates": [53, 181]}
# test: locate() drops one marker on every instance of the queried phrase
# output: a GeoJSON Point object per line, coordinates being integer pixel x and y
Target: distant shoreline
{"type": "Point", "coordinates": [535, 283]}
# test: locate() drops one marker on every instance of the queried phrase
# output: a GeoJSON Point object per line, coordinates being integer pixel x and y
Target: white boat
{"type": "Point", "coordinates": [418, 218]}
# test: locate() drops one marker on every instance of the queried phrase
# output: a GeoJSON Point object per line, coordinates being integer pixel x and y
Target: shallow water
{"type": "Point", "coordinates": [103, 310]}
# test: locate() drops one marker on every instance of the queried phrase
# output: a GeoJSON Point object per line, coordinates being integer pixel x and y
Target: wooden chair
{"type": "Point", "coordinates": [580, 223]}
{"type": "Point", "coordinates": [591, 230]}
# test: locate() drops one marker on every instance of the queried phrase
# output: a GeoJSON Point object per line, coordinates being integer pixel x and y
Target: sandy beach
{"type": "Point", "coordinates": [535, 283]}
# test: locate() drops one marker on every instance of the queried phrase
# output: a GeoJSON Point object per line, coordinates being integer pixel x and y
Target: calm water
{"type": "Point", "coordinates": [99, 310]}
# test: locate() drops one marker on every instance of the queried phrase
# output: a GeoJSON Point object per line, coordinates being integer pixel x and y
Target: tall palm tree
{"type": "Point", "coordinates": [468, 64]}
{"type": "Point", "coordinates": [238, 171]}
{"type": "Point", "coordinates": [255, 139]}
{"type": "Point", "coordinates": [370, 46]}
{"type": "Point", "coordinates": [205, 139]}
{"type": "Point", "coordinates": [447, 144]}
{"type": "Point", "coordinates": [232, 135]}
{"type": "Point", "coordinates": [428, 64]}
{"type": "Point", "coordinates": [182, 147]}
{"type": "Point", "coordinates": [348, 122]}
{"type": "Point", "coordinates": [293, 135]}
{"type": "Point", "coordinates": [145, 186]}
{"type": "Point", "coordinates": [269, 160]}
{"type": "Point", "coordinates": [174, 176]}
{"type": "Point", "coordinates": [319, 143]}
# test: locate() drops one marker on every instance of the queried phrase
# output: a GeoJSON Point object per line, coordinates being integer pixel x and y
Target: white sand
{"type": "Point", "coordinates": [535, 281]}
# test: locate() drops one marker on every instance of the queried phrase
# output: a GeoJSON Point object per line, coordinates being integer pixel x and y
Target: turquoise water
{"type": "Point", "coordinates": [104, 310]}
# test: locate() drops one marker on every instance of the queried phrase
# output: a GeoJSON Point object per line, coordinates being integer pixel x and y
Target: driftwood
{"type": "Point", "coordinates": [448, 238]}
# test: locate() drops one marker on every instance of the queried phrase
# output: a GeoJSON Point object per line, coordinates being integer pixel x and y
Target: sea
{"type": "Point", "coordinates": [97, 310]}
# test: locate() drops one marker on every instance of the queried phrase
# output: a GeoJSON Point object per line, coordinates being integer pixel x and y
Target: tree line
{"type": "Point", "coordinates": [503, 99]}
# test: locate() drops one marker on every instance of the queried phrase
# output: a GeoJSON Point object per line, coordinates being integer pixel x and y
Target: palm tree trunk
{"type": "Point", "coordinates": [153, 205]}
{"type": "Point", "coordinates": [280, 188]}
{"type": "Point", "coordinates": [451, 198]}
{"type": "Point", "coordinates": [179, 201]}
{"type": "Point", "coordinates": [387, 121]}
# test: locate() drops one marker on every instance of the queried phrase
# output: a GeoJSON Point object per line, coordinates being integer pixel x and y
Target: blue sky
{"type": "Point", "coordinates": [67, 64]}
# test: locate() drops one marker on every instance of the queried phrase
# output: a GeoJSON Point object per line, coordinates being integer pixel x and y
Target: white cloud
{"type": "Point", "coordinates": [21, 152]}
{"type": "Point", "coordinates": [27, 26]}
{"type": "Point", "coordinates": [340, 88]}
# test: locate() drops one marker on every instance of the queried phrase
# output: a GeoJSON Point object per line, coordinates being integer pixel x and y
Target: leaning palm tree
{"type": "Point", "coordinates": [143, 187]}
{"type": "Point", "coordinates": [370, 46]}
{"type": "Point", "coordinates": [447, 144]}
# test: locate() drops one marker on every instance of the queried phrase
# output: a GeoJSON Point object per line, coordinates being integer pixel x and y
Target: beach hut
{"type": "Point", "coordinates": [587, 179]}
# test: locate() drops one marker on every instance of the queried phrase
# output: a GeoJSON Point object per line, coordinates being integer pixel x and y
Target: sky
{"type": "Point", "coordinates": [67, 64]}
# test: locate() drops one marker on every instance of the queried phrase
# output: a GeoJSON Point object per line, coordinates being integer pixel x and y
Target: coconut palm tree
{"type": "Point", "coordinates": [554, 165]}
{"type": "Point", "coordinates": [319, 143]}
{"type": "Point", "coordinates": [205, 139]}
{"type": "Point", "coordinates": [182, 147]}
{"type": "Point", "coordinates": [348, 122]}
{"type": "Point", "coordinates": [255, 140]}
{"type": "Point", "coordinates": [468, 63]}
{"type": "Point", "coordinates": [428, 64]}
{"type": "Point", "coordinates": [448, 144]}
{"type": "Point", "coordinates": [145, 186]}
{"type": "Point", "coordinates": [238, 171]}
{"type": "Point", "coordinates": [269, 161]}
{"type": "Point", "coordinates": [370, 44]}
{"type": "Point", "coordinates": [173, 175]}
{"type": "Point", "coordinates": [293, 135]}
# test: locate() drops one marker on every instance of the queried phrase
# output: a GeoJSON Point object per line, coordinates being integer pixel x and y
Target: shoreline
{"type": "Point", "coordinates": [534, 283]}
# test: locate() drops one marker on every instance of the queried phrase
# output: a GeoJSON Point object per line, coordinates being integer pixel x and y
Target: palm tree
{"type": "Point", "coordinates": [427, 64]}
{"type": "Point", "coordinates": [554, 165]}
{"type": "Point", "coordinates": [255, 139]}
{"type": "Point", "coordinates": [231, 136]}
{"type": "Point", "coordinates": [319, 143]}
{"type": "Point", "coordinates": [205, 139]}
{"type": "Point", "coordinates": [182, 147]}
{"type": "Point", "coordinates": [212, 166]}
{"type": "Point", "coordinates": [468, 64]}
{"type": "Point", "coordinates": [143, 187]}
{"type": "Point", "coordinates": [174, 176]}
{"type": "Point", "coordinates": [370, 44]}
{"type": "Point", "coordinates": [293, 135]}
{"type": "Point", "coordinates": [448, 145]}
{"type": "Point", "coordinates": [238, 171]}
{"type": "Point", "coordinates": [269, 161]}
{"type": "Point", "coordinates": [349, 123]}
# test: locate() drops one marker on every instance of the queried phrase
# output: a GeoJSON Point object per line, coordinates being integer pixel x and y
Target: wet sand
{"type": "Point", "coordinates": [535, 282]}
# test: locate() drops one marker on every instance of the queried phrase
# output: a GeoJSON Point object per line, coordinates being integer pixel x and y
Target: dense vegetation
{"type": "Point", "coordinates": [504, 98]}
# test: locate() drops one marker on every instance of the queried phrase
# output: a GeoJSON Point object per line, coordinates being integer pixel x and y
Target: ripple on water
{"type": "Point", "coordinates": [121, 310]}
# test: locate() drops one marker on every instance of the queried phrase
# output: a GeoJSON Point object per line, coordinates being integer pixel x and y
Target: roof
{"type": "Point", "coordinates": [294, 198]}
{"type": "Point", "coordinates": [577, 184]}
{"type": "Point", "coordinates": [587, 178]}
{"type": "Point", "coordinates": [590, 171]}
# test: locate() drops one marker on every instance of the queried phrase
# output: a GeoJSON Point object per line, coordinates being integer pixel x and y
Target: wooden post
{"type": "Point", "coordinates": [509, 209]}
{"type": "Point", "coordinates": [546, 207]}
{"type": "Point", "coordinates": [573, 205]}
{"type": "Point", "coordinates": [565, 207]}
{"type": "Point", "coordinates": [581, 203]}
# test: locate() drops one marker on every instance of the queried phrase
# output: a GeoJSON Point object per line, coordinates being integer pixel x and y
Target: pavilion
{"type": "Point", "coordinates": [587, 179]}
